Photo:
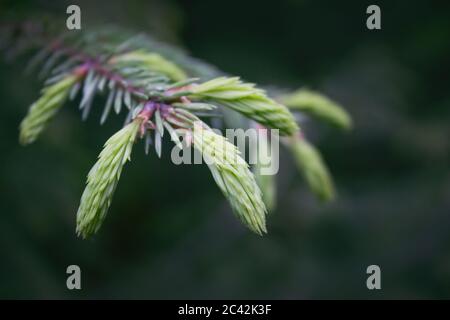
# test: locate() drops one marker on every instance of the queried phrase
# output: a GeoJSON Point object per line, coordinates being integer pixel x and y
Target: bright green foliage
{"type": "Point", "coordinates": [152, 61]}
{"type": "Point", "coordinates": [317, 105]}
{"type": "Point", "coordinates": [163, 89]}
{"type": "Point", "coordinates": [41, 112]}
{"type": "Point", "coordinates": [233, 177]}
{"type": "Point", "coordinates": [313, 168]}
{"type": "Point", "coordinates": [248, 100]}
{"type": "Point", "coordinates": [102, 179]}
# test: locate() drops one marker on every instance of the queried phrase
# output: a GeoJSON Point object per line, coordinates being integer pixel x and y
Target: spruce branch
{"type": "Point", "coordinates": [164, 94]}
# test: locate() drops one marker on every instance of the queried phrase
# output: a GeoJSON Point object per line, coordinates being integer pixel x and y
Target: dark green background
{"type": "Point", "coordinates": [170, 233]}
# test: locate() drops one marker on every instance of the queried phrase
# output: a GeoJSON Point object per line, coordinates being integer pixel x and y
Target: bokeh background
{"type": "Point", "coordinates": [170, 233]}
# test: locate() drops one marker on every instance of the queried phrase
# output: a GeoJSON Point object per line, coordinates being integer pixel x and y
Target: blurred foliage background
{"type": "Point", "coordinates": [170, 233]}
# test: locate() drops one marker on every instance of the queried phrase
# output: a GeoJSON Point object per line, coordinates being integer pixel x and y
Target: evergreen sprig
{"type": "Point", "coordinates": [162, 89]}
